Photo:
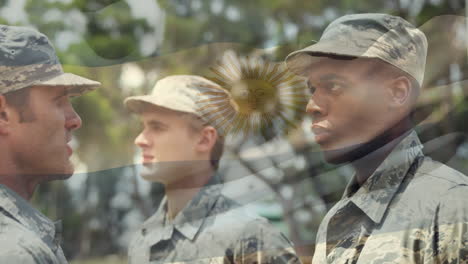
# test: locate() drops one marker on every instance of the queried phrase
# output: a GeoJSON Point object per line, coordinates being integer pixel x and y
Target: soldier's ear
{"type": "Point", "coordinates": [207, 139]}
{"type": "Point", "coordinates": [4, 116]}
{"type": "Point", "coordinates": [400, 90]}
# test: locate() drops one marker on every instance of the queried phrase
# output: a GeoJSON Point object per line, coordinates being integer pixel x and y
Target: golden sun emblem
{"type": "Point", "coordinates": [263, 96]}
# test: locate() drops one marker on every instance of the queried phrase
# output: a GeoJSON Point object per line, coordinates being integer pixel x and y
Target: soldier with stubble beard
{"type": "Point", "coordinates": [36, 125]}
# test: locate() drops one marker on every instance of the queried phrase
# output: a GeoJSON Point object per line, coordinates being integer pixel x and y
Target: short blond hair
{"type": "Point", "coordinates": [196, 124]}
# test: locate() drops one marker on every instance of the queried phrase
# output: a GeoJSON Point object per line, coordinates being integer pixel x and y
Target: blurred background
{"type": "Point", "coordinates": [277, 170]}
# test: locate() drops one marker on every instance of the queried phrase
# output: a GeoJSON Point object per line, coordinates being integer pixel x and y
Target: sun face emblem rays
{"type": "Point", "coordinates": [263, 96]}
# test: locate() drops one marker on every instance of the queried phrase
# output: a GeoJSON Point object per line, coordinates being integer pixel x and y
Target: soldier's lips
{"type": "Point", "coordinates": [321, 133]}
{"type": "Point", "coordinates": [69, 150]}
{"type": "Point", "coordinates": [147, 158]}
{"type": "Point", "coordinates": [67, 146]}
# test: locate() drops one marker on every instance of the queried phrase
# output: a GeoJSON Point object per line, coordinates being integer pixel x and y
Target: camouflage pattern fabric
{"type": "Point", "coordinates": [28, 58]}
{"type": "Point", "coordinates": [411, 210]}
{"type": "Point", "coordinates": [388, 38]}
{"type": "Point", "coordinates": [27, 236]}
{"type": "Point", "coordinates": [210, 229]}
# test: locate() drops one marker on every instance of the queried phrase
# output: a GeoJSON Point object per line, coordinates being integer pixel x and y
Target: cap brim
{"type": "Point", "coordinates": [136, 104]}
{"type": "Point", "coordinates": [299, 61]}
{"type": "Point", "coordinates": [77, 84]}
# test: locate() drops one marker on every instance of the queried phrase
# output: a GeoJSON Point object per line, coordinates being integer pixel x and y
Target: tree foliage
{"type": "Point", "coordinates": [100, 39]}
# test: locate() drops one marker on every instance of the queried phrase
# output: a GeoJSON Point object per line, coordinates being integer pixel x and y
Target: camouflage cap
{"type": "Point", "coordinates": [183, 93]}
{"type": "Point", "coordinates": [385, 37]}
{"type": "Point", "coordinates": [28, 58]}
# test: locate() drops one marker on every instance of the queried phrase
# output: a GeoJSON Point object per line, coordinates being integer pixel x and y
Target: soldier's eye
{"type": "Point", "coordinates": [155, 127]}
{"type": "Point", "coordinates": [61, 100]}
{"type": "Point", "coordinates": [311, 88]}
{"type": "Point", "coordinates": [333, 86]}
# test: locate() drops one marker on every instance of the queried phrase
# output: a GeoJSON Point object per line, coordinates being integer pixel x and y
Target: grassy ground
{"type": "Point", "coordinates": [123, 260]}
{"type": "Point", "coordinates": [103, 260]}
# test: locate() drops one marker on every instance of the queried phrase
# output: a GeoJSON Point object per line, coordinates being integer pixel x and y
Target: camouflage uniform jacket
{"type": "Point", "coordinates": [26, 235]}
{"type": "Point", "coordinates": [210, 229]}
{"type": "Point", "coordinates": [410, 210]}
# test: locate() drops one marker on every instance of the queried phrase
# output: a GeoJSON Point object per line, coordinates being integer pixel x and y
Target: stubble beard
{"type": "Point", "coordinates": [35, 173]}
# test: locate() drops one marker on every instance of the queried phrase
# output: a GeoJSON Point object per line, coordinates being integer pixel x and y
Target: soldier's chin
{"type": "Point", "coordinates": [59, 175]}
{"type": "Point", "coordinates": [334, 156]}
{"type": "Point", "coordinates": [342, 155]}
{"type": "Point", "coordinates": [150, 172]}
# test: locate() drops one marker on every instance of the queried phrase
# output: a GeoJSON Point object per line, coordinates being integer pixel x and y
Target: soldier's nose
{"type": "Point", "coordinates": [141, 141]}
{"type": "Point", "coordinates": [314, 108]}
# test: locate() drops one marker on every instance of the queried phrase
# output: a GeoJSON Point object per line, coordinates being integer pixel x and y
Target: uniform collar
{"type": "Point", "coordinates": [189, 220]}
{"type": "Point", "coordinates": [22, 211]}
{"type": "Point", "coordinates": [375, 195]}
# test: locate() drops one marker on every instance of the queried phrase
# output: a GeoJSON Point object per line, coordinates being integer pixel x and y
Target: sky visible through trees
{"type": "Point", "coordinates": [128, 45]}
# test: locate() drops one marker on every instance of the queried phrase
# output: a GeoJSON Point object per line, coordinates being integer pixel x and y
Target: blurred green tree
{"type": "Point", "coordinates": [102, 39]}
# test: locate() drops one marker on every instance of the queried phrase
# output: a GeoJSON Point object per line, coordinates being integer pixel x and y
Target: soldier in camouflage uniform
{"type": "Point", "coordinates": [195, 222]}
{"type": "Point", "coordinates": [365, 74]}
{"type": "Point", "coordinates": [36, 122]}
